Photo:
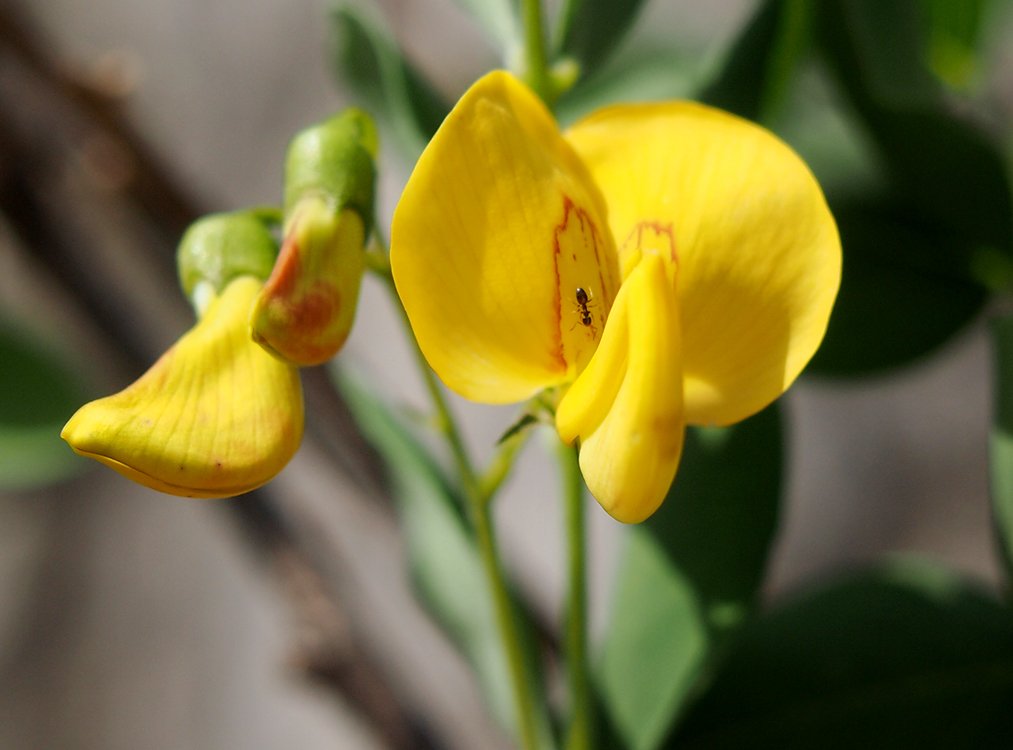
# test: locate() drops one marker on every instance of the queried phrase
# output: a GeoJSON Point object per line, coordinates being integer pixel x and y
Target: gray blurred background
{"type": "Point", "coordinates": [131, 620]}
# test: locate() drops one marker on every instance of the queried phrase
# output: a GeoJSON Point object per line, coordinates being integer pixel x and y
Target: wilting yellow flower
{"type": "Point", "coordinates": [221, 412]}
{"type": "Point", "coordinates": [663, 264]}
{"type": "Point", "coordinates": [216, 416]}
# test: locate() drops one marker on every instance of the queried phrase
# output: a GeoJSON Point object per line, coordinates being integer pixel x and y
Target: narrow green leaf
{"type": "Point", "coordinates": [367, 57]}
{"type": "Point", "coordinates": [590, 30]}
{"type": "Point", "coordinates": [444, 561]}
{"type": "Point", "coordinates": [905, 291]}
{"type": "Point", "coordinates": [905, 656]}
{"type": "Point", "coordinates": [755, 77]}
{"type": "Point", "coordinates": [689, 576]}
{"type": "Point", "coordinates": [1001, 441]}
{"type": "Point", "coordinates": [38, 393]}
{"type": "Point", "coordinates": [943, 166]}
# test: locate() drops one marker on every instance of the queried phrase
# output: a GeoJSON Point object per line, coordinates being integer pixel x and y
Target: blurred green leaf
{"type": "Point", "coordinates": [906, 656]}
{"type": "Point", "coordinates": [829, 138]}
{"type": "Point", "coordinates": [590, 30]}
{"type": "Point", "coordinates": [442, 555]}
{"type": "Point", "coordinates": [879, 49]}
{"type": "Point", "coordinates": [641, 75]}
{"type": "Point", "coordinates": [954, 28]}
{"type": "Point", "coordinates": [1001, 441]}
{"type": "Point", "coordinates": [689, 576]}
{"type": "Point", "coordinates": [38, 393]}
{"type": "Point", "coordinates": [755, 77]}
{"type": "Point", "coordinates": [903, 292]}
{"type": "Point", "coordinates": [500, 20]}
{"type": "Point", "coordinates": [943, 167]}
{"type": "Point", "coordinates": [367, 57]}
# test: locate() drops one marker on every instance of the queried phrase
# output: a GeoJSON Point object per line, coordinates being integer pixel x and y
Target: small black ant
{"type": "Point", "coordinates": [582, 301]}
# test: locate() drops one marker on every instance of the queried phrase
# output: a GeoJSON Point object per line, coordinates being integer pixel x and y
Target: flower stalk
{"type": "Point", "coordinates": [579, 731]}
{"type": "Point", "coordinates": [536, 69]}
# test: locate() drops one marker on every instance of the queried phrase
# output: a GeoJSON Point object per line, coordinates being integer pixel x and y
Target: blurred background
{"type": "Point", "coordinates": [284, 619]}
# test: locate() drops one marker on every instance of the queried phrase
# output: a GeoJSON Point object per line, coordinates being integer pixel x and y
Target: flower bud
{"type": "Point", "coordinates": [219, 248]}
{"type": "Point", "coordinates": [306, 309]}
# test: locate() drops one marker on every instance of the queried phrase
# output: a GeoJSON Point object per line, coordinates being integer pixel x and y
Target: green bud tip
{"type": "Point", "coordinates": [336, 160]}
{"type": "Point", "coordinates": [221, 247]}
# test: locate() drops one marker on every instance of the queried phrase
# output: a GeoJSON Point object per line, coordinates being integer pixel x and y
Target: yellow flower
{"type": "Point", "coordinates": [215, 416]}
{"type": "Point", "coordinates": [662, 264]}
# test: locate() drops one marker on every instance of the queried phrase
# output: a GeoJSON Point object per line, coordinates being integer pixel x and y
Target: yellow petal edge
{"type": "Point", "coordinates": [215, 416]}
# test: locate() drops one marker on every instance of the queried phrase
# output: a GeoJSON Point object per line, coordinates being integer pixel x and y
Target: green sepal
{"type": "Point", "coordinates": [221, 247]}
{"type": "Point", "coordinates": [335, 159]}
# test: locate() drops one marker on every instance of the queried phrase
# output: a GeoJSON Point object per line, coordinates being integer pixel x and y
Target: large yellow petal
{"type": "Point", "coordinates": [623, 408]}
{"type": "Point", "coordinates": [497, 228]}
{"type": "Point", "coordinates": [216, 416]}
{"type": "Point", "coordinates": [757, 250]}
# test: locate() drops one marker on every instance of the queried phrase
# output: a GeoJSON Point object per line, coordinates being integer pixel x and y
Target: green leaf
{"type": "Point", "coordinates": [38, 393]}
{"type": "Point", "coordinates": [906, 656]}
{"type": "Point", "coordinates": [590, 30]}
{"type": "Point", "coordinates": [944, 167]}
{"type": "Point", "coordinates": [442, 554]}
{"type": "Point", "coordinates": [499, 19]}
{"type": "Point", "coordinates": [367, 57]}
{"type": "Point", "coordinates": [1001, 441]}
{"type": "Point", "coordinates": [903, 292]}
{"type": "Point", "coordinates": [689, 576]}
{"type": "Point", "coordinates": [651, 74]}
{"type": "Point", "coordinates": [755, 77]}
{"type": "Point", "coordinates": [954, 29]}
{"type": "Point", "coordinates": [829, 138]}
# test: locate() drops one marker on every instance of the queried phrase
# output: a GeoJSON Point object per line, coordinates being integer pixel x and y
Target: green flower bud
{"type": "Point", "coordinates": [219, 248]}
{"type": "Point", "coordinates": [334, 160]}
{"type": "Point", "coordinates": [305, 311]}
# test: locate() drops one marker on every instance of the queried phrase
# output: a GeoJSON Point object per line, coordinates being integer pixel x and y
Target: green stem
{"type": "Point", "coordinates": [506, 620]}
{"type": "Point", "coordinates": [502, 463]}
{"type": "Point", "coordinates": [536, 70]}
{"type": "Point", "coordinates": [579, 734]}
{"type": "Point", "coordinates": [478, 493]}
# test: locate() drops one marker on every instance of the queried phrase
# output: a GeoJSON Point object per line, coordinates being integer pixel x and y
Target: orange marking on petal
{"type": "Point", "coordinates": [558, 353]}
{"type": "Point", "coordinates": [585, 292]}
{"type": "Point", "coordinates": [285, 275]}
